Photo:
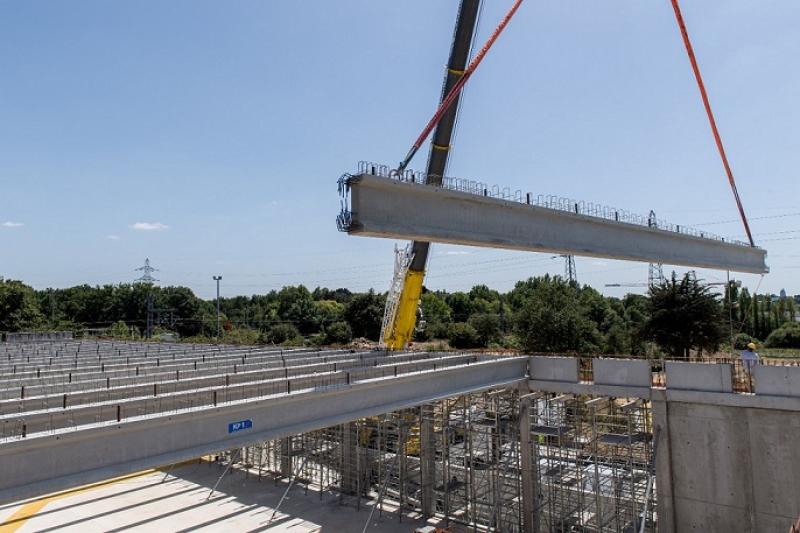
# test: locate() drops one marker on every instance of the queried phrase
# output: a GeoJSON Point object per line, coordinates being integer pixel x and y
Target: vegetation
{"type": "Point", "coordinates": [786, 336]}
{"type": "Point", "coordinates": [542, 314]}
{"type": "Point", "coordinates": [684, 316]}
{"type": "Point", "coordinates": [19, 309]}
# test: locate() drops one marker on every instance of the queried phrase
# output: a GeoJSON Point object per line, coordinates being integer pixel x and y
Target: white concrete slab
{"type": "Point", "coordinates": [631, 372]}
{"type": "Point", "coordinates": [777, 380]}
{"type": "Point", "coordinates": [547, 368]}
{"type": "Point", "coordinates": [704, 377]}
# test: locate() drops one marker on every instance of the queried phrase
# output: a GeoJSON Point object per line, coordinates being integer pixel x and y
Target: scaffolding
{"type": "Point", "coordinates": [593, 458]}
{"type": "Point", "coordinates": [461, 460]}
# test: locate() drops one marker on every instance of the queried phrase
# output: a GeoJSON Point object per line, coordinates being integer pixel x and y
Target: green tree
{"type": "Point", "coordinates": [434, 309]}
{"type": "Point", "coordinates": [340, 295]}
{"type": "Point", "coordinates": [462, 336]}
{"type": "Point", "coordinates": [684, 315]}
{"type": "Point", "coordinates": [552, 320]}
{"type": "Point", "coordinates": [461, 306]}
{"type": "Point", "coordinates": [487, 328]}
{"type": "Point", "coordinates": [19, 308]}
{"type": "Point", "coordinates": [364, 313]}
{"type": "Point", "coordinates": [296, 305]}
{"type": "Point", "coordinates": [635, 316]}
{"type": "Point", "coordinates": [329, 311]}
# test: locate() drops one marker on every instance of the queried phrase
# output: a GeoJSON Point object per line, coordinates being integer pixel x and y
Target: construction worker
{"type": "Point", "coordinates": [749, 361]}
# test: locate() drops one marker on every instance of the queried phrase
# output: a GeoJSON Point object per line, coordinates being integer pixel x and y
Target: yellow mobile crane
{"type": "Point", "coordinates": [400, 316]}
{"type": "Point", "coordinates": [401, 306]}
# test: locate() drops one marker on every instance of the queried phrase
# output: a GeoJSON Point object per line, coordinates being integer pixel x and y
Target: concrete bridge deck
{"type": "Point", "coordinates": [76, 432]}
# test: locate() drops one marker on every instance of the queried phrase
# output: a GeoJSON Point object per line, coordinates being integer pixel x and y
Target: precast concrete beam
{"type": "Point", "coordinates": [390, 208]}
{"type": "Point", "coordinates": [47, 462]}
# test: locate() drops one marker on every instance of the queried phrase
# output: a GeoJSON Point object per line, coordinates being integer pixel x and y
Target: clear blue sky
{"type": "Point", "coordinates": [208, 136]}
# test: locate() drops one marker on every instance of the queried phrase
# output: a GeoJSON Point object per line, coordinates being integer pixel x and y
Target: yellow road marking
{"type": "Point", "coordinates": [28, 510]}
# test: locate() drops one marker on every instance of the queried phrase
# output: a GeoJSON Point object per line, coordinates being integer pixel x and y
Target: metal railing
{"type": "Point", "coordinates": [556, 203]}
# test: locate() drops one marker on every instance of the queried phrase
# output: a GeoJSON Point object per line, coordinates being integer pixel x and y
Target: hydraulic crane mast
{"type": "Point", "coordinates": [401, 307]}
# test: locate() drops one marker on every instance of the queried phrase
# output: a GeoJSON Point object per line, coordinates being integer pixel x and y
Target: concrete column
{"type": "Point", "coordinates": [530, 507]}
{"type": "Point", "coordinates": [664, 493]}
{"type": "Point", "coordinates": [427, 455]}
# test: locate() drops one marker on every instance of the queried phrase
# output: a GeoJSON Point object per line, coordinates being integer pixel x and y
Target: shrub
{"type": "Point", "coordinates": [786, 336]}
{"type": "Point", "coordinates": [422, 334]}
{"type": "Point", "coordinates": [318, 339]}
{"type": "Point", "coordinates": [741, 341]}
{"type": "Point", "coordinates": [119, 330]}
{"type": "Point", "coordinates": [437, 330]}
{"type": "Point", "coordinates": [280, 333]}
{"type": "Point", "coordinates": [338, 333]}
{"type": "Point", "coordinates": [462, 335]}
{"type": "Point", "coordinates": [240, 336]}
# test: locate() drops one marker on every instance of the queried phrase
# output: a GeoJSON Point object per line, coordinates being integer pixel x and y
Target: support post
{"type": "Point", "coordinates": [349, 473]}
{"type": "Point", "coordinates": [427, 453]}
{"type": "Point", "coordinates": [530, 507]}
{"type": "Point", "coordinates": [286, 457]}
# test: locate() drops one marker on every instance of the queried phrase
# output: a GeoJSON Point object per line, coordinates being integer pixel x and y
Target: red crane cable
{"type": "Point", "coordinates": [714, 130]}
{"type": "Point", "coordinates": [453, 94]}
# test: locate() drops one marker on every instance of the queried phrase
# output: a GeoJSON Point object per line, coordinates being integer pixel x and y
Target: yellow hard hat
{"type": "Point", "coordinates": [751, 345]}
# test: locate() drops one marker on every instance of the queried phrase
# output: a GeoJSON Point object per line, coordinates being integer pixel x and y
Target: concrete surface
{"type": "Point", "coordinates": [383, 207]}
{"type": "Point", "coordinates": [777, 380]}
{"type": "Point", "coordinates": [548, 368]}
{"type": "Point", "coordinates": [629, 372]}
{"type": "Point", "coordinates": [731, 469]}
{"type": "Point", "coordinates": [178, 503]}
{"type": "Point", "coordinates": [699, 376]}
{"type": "Point", "coordinates": [47, 462]}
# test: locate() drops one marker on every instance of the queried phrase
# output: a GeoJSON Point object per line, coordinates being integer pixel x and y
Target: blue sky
{"type": "Point", "coordinates": [208, 136]}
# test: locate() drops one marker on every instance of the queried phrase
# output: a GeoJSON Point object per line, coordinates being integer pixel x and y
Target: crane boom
{"type": "Point", "coordinates": [401, 312]}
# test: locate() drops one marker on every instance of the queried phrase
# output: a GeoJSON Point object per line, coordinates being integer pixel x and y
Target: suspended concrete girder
{"type": "Point", "coordinates": [402, 209]}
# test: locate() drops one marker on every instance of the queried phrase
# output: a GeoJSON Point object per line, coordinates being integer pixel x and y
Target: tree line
{"type": "Point", "coordinates": [540, 314]}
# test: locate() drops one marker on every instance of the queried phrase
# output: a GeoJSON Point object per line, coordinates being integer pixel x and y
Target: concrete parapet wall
{"type": "Point", "coordinates": [777, 380]}
{"type": "Point", "coordinates": [547, 368]}
{"type": "Point", "coordinates": [630, 372]}
{"type": "Point", "coordinates": [699, 376]}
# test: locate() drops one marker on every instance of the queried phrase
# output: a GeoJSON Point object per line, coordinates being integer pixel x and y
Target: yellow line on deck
{"type": "Point", "coordinates": [29, 509]}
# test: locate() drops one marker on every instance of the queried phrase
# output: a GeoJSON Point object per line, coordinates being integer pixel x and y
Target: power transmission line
{"type": "Point", "coordinates": [147, 276]}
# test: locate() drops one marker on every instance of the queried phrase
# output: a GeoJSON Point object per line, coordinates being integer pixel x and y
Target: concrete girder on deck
{"type": "Point", "coordinates": [389, 208]}
{"type": "Point", "coordinates": [47, 462]}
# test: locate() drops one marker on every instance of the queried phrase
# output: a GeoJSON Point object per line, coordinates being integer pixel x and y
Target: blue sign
{"type": "Point", "coordinates": [233, 427]}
